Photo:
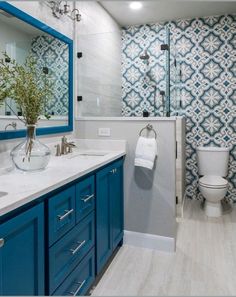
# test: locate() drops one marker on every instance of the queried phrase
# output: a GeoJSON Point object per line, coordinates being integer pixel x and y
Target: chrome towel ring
{"type": "Point", "coordinates": [149, 127]}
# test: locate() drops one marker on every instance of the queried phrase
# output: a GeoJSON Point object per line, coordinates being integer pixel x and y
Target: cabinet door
{"type": "Point", "coordinates": [22, 254]}
{"type": "Point", "coordinates": [116, 203]}
{"type": "Point", "coordinates": [103, 218]}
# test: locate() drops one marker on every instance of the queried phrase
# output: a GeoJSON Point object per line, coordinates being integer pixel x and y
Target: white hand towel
{"type": "Point", "coordinates": [146, 152]}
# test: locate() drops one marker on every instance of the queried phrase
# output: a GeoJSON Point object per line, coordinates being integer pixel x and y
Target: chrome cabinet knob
{"type": "Point", "coordinates": [81, 244]}
{"type": "Point", "coordinates": [81, 284]}
{"type": "Point", "coordinates": [87, 198]}
{"type": "Point", "coordinates": [65, 215]}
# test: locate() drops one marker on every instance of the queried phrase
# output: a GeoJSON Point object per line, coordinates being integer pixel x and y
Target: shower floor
{"type": "Point", "coordinates": [204, 262]}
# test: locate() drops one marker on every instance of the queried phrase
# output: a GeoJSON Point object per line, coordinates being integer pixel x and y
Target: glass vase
{"type": "Point", "coordinates": [31, 154]}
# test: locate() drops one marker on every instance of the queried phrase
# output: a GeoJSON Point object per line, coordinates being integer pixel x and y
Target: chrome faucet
{"type": "Point", "coordinates": [65, 147]}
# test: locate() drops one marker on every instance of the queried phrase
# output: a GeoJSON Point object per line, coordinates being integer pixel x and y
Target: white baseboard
{"type": "Point", "coordinates": [149, 241]}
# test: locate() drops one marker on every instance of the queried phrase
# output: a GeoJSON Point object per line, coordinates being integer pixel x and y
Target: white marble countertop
{"type": "Point", "coordinates": [18, 188]}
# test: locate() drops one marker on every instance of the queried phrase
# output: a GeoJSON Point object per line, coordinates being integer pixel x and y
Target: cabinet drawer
{"type": "Point", "coordinates": [80, 280]}
{"type": "Point", "coordinates": [85, 198]}
{"type": "Point", "coordinates": [69, 251]}
{"type": "Point", "coordinates": [61, 214]}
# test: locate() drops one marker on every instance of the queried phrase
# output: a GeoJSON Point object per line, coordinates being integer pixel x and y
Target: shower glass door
{"type": "Point", "coordinates": [99, 74]}
{"type": "Point", "coordinates": [124, 73]}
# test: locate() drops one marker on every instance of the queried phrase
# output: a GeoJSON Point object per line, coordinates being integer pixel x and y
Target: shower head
{"type": "Point", "coordinates": [145, 56]}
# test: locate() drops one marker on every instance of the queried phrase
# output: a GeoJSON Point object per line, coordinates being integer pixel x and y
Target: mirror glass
{"type": "Point", "coordinates": [19, 40]}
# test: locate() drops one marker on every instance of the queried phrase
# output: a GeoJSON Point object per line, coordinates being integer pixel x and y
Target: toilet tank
{"type": "Point", "coordinates": [213, 160]}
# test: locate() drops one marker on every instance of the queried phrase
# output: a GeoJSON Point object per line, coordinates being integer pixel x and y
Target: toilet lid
{"type": "Point", "coordinates": [213, 181]}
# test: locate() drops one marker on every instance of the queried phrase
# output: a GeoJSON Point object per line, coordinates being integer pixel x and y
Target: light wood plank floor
{"type": "Point", "coordinates": [204, 262]}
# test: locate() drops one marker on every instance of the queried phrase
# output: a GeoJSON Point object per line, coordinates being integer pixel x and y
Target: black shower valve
{"type": "Point", "coordinates": [79, 55]}
{"type": "Point", "coordinates": [164, 47]}
{"type": "Point", "coordinates": [45, 70]}
{"type": "Point", "coordinates": [162, 93]}
{"type": "Point", "coordinates": [145, 114]}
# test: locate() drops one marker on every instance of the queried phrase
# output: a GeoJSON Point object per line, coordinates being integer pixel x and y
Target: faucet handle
{"type": "Point", "coordinates": [64, 139]}
{"type": "Point", "coordinates": [58, 150]}
{"type": "Point", "coordinates": [71, 144]}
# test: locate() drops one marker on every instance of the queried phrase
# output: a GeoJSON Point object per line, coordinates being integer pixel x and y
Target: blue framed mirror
{"type": "Point", "coordinates": [22, 35]}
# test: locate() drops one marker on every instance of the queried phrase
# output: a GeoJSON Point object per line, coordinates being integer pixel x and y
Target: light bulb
{"type": "Point", "coordinates": [135, 5]}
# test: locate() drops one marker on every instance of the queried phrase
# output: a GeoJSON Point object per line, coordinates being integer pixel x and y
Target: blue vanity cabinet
{"type": "Point", "coordinates": [109, 212]}
{"type": "Point", "coordinates": [58, 246]}
{"type": "Point", "coordinates": [22, 253]}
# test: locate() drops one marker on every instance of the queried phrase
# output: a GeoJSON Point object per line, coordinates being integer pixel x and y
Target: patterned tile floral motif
{"type": "Point", "coordinates": [140, 78]}
{"type": "Point", "coordinates": [53, 54]}
{"type": "Point", "coordinates": [205, 85]}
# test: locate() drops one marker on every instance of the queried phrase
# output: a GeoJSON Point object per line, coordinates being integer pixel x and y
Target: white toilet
{"type": "Point", "coordinates": [213, 166]}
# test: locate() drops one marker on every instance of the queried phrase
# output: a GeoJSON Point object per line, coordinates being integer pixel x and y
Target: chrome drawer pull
{"type": "Point", "coordinates": [2, 241]}
{"type": "Point", "coordinates": [87, 198]}
{"type": "Point", "coordinates": [67, 213]}
{"type": "Point", "coordinates": [78, 247]}
{"type": "Point", "coordinates": [79, 288]}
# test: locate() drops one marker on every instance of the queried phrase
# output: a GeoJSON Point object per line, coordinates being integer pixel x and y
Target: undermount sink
{"type": "Point", "coordinates": [88, 154]}
{"type": "Point", "coordinates": [2, 194]}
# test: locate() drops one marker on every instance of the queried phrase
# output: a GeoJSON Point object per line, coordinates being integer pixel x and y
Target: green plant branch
{"type": "Point", "coordinates": [29, 87]}
{"type": "Point", "coordinates": [12, 110]}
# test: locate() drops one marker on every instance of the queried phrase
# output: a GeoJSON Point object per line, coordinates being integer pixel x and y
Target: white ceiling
{"type": "Point", "coordinates": [165, 10]}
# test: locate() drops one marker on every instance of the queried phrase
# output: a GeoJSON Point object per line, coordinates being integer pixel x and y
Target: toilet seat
{"type": "Point", "coordinates": [212, 181]}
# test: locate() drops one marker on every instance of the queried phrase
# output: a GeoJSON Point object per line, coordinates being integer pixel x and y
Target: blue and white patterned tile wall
{"type": "Point", "coordinates": [139, 79]}
{"type": "Point", "coordinates": [53, 54]}
{"type": "Point", "coordinates": [205, 50]}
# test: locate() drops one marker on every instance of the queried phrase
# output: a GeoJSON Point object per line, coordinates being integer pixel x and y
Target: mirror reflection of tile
{"type": "Point", "coordinates": [52, 56]}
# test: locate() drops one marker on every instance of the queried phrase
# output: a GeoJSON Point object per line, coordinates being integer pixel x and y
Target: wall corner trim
{"type": "Point", "coordinates": [149, 241]}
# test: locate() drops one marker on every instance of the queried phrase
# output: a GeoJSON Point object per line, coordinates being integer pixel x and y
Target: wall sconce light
{"type": "Point", "coordinates": [75, 15]}
{"type": "Point", "coordinates": [60, 8]}
{"type": "Point", "coordinates": [66, 9]}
